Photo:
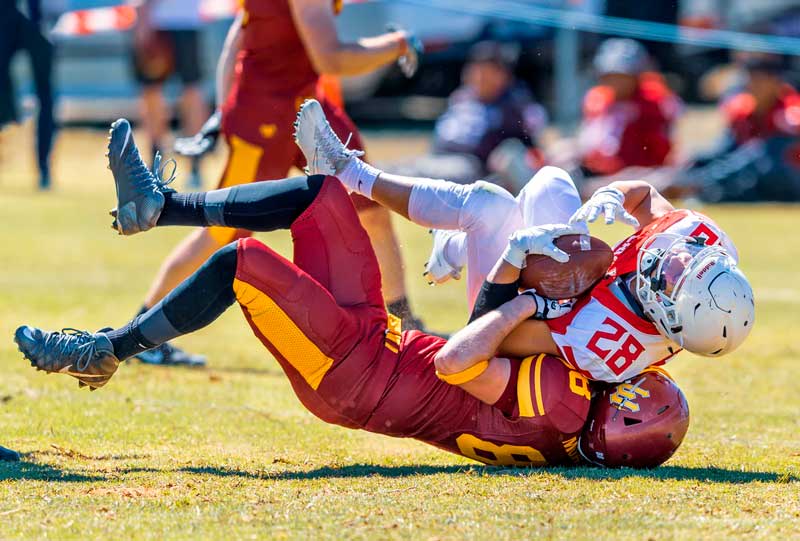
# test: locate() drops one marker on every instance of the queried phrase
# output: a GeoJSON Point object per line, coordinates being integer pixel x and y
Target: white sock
{"type": "Point", "coordinates": [359, 176]}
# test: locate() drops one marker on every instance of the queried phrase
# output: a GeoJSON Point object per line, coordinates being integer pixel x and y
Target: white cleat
{"type": "Point", "coordinates": [324, 151]}
{"type": "Point", "coordinates": [438, 270]}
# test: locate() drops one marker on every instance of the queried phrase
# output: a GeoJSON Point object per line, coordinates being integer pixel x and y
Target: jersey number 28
{"type": "Point", "coordinates": [625, 350]}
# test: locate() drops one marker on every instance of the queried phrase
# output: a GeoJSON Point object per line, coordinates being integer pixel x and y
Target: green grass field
{"type": "Point", "coordinates": [228, 452]}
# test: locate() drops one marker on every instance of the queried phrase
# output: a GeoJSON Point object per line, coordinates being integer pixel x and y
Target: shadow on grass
{"type": "Point", "coordinates": [708, 474]}
{"type": "Point", "coordinates": [664, 473]}
{"type": "Point", "coordinates": [32, 471]}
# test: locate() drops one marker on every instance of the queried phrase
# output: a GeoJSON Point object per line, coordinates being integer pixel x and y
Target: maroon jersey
{"type": "Point", "coordinates": [273, 59]}
{"type": "Point", "coordinates": [324, 320]}
{"type": "Point", "coordinates": [536, 423]}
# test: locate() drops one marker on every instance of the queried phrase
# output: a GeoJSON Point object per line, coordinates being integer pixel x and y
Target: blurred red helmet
{"type": "Point", "coordinates": [639, 423]}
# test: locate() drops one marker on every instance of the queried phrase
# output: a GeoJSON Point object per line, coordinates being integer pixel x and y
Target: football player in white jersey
{"type": "Point", "coordinates": [674, 284]}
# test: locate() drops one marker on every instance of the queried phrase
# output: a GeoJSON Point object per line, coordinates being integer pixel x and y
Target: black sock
{"type": "Point", "coordinates": [183, 209]}
{"type": "Point", "coordinates": [259, 206]}
{"type": "Point", "coordinates": [195, 303]}
{"type": "Point", "coordinates": [128, 341]}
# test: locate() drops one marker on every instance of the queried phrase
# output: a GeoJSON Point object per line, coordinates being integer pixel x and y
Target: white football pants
{"type": "Point", "coordinates": [483, 215]}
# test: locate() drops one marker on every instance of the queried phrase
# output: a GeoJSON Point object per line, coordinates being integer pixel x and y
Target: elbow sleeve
{"type": "Point", "coordinates": [492, 296]}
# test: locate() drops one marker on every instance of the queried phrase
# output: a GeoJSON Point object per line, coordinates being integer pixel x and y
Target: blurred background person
{"type": "Point", "coordinates": [166, 42]}
{"type": "Point", "coordinates": [490, 127]}
{"type": "Point", "coordinates": [758, 156]}
{"type": "Point", "coordinates": [628, 116]}
{"type": "Point", "coordinates": [21, 32]}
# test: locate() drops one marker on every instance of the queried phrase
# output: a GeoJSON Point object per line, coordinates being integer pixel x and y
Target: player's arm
{"type": "Point", "coordinates": [316, 25]}
{"type": "Point", "coordinates": [634, 202]}
{"type": "Point", "coordinates": [642, 200]}
{"type": "Point", "coordinates": [529, 337]}
{"type": "Point", "coordinates": [468, 358]}
{"type": "Point", "coordinates": [227, 59]}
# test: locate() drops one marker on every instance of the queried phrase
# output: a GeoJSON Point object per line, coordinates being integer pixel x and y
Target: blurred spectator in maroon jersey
{"type": "Point", "coordinates": [628, 116]}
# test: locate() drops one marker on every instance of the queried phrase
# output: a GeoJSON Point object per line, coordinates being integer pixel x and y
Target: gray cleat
{"type": "Point", "coordinates": [89, 357]}
{"type": "Point", "coordinates": [140, 191]}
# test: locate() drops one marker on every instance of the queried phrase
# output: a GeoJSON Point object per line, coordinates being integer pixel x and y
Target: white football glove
{"type": "Point", "coordinates": [549, 308]}
{"type": "Point", "coordinates": [437, 269]}
{"type": "Point", "coordinates": [537, 240]}
{"type": "Point", "coordinates": [609, 201]}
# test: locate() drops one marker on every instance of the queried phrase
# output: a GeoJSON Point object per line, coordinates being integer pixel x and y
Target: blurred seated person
{"type": "Point", "coordinates": [627, 117]}
{"type": "Point", "coordinates": [490, 126]}
{"type": "Point", "coordinates": [758, 157]}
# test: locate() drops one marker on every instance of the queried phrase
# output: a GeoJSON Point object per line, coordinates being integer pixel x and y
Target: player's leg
{"type": "Point", "coordinates": [93, 358]}
{"type": "Point", "coordinates": [288, 310]}
{"type": "Point", "coordinates": [246, 161]}
{"type": "Point", "coordinates": [41, 57]}
{"type": "Point", "coordinates": [298, 315]}
{"type": "Point", "coordinates": [143, 201]}
{"type": "Point", "coordinates": [254, 152]}
{"type": "Point", "coordinates": [485, 211]}
{"type": "Point", "coordinates": [193, 107]}
{"type": "Point", "coordinates": [549, 197]}
{"type": "Point", "coordinates": [377, 221]}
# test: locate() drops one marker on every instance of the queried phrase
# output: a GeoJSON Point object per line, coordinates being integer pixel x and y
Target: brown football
{"type": "Point", "coordinates": [589, 259]}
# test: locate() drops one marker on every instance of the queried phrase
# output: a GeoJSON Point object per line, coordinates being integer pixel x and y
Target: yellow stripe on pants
{"type": "Point", "coordinates": [279, 329]}
{"type": "Point", "coordinates": [242, 169]}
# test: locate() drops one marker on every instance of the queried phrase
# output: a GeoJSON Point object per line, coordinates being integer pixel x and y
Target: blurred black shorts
{"type": "Point", "coordinates": [171, 52]}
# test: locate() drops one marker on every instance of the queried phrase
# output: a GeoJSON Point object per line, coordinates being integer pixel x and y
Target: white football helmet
{"type": "Point", "coordinates": [694, 293]}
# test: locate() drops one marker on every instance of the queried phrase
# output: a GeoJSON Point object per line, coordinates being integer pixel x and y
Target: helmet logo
{"type": "Point", "coordinates": [705, 269]}
{"type": "Point", "coordinates": [626, 394]}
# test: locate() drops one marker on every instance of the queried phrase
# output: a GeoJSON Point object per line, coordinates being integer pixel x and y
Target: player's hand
{"type": "Point", "coordinates": [609, 201]}
{"type": "Point", "coordinates": [537, 240]}
{"type": "Point", "coordinates": [549, 308]}
{"type": "Point", "coordinates": [203, 141]}
{"type": "Point", "coordinates": [409, 62]}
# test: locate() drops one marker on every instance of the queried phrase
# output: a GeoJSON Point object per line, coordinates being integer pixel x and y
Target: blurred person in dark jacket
{"type": "Point", "coordinates": [21, 32]}
{"type": "Point", "coordinates": [166, 42]}
{"type": "Point", "coordinates": [490, 126]}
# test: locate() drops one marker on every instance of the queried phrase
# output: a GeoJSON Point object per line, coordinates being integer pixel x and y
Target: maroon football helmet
{"type": "Point", "coordinates": [639, 423]}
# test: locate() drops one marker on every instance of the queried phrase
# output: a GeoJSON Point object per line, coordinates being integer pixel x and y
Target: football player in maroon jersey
{"type": "Point", "coordinates": [323, 318]}
{"type": "Point", "coordinates": [272, 60]}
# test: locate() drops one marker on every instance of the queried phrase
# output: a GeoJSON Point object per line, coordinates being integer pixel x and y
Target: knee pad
{"type": "Point", "coordinates": [549, 197]}
{"type": "Point", "coordinates": [487, 206]}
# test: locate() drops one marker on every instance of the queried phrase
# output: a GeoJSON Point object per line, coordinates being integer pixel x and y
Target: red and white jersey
{"type": "Point", "coordinates": [603, 338]}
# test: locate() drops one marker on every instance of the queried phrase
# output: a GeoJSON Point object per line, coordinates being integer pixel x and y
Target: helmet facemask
{"type": "Point", "coordinates": [662, 268]}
